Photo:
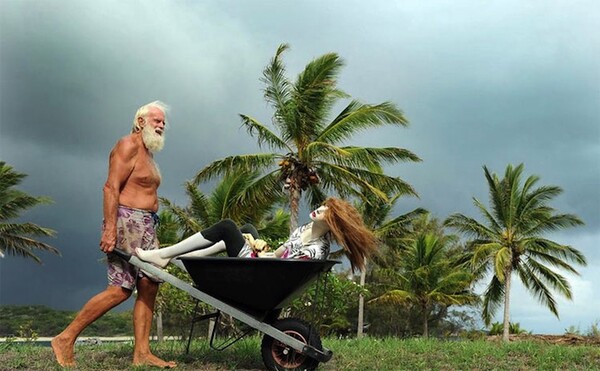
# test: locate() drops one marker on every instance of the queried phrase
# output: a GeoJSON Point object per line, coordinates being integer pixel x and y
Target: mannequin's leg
{"type": "Point", "coordinates": [225, 231]}
{"type": "Point", "coordinates": [161, 257]}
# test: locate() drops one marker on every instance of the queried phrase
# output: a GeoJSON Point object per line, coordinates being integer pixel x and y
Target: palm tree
{"type": "Point", "coordinates": [168, 229]}
{"type": "Point", "coordinates": [227, 201]}
{"type": "Point", "coordinates": [393, 232]}
{"type": "Point", "coordinates": [307, 153]}
{"type": "Point", "coordinates": [429, 274]}
{"type": "Point", "coordinates": [390, 232]}
{"type": "Point", "coordinates": [511, 240]}
{"type": "Point", "coordinates": [17, 238]}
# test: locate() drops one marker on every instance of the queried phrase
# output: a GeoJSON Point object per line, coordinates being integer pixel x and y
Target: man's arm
{"type": "Point", "coordinates": [120, 166]}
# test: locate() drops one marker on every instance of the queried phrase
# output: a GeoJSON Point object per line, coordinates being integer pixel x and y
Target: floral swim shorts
{"type": "Point", "coordinates": [135, 228]}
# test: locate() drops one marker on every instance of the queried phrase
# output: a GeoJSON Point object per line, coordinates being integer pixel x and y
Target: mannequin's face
{"type": "Point", "coordinates": [319, 214]}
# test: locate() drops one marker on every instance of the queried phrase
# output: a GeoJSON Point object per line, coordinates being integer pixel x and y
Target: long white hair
{"type": "Point", "coordinates": [143, 113]}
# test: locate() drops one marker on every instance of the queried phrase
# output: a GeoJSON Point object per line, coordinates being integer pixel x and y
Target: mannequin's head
{"type": "Point", "coordinates": [318, 215]}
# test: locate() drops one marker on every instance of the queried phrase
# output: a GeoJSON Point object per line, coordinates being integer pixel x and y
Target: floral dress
{"type": "Point", "coordinates": [317, 248]}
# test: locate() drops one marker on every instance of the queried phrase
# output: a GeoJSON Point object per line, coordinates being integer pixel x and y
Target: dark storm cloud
{"type": "Point", "coordinates": [481, 83]}
{"type": "Point", "coordinates": [70, 87]}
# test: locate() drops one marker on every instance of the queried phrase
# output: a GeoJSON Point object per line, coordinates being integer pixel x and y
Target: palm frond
{"type": "Point", "coordinates": [369, 157]}
{"type": "Point", "coordinates": [454, 282]}
{"type": "Point", "coordinates": [544, 247]}
{"type": "Point", "coordinates": [168, 229]}
{"type": "Point", "coordinates": [468, 226]}
{"type": "Point", "coordinates": [357, 116]}
{"type": "Point", "coordinates": [557, 281]}
{"type": "Point", "coordinates": [199, 204]}
{"type": "Point", "coordinates": [372, 180]}
{"type": "Point", "coordinates": [278, 89]}
{"type": "Point", "coordinates": [9, 177]}
{"type": "Point", "coordinates": [233, 164]}
{"type": "Point", "coordinates": [537, 287]}
{"type": "Point", "coordinates": [492, 299]}
{"type": "Point", "coordinates": [322, 151]}
{"type": "Point", "coordinates": [344, 180]}
{"type": "Point", "coordinates": [502, 262]}
{"type": "Point", "coordinates": [394, 297]}
{"type": "Point", "coordinates": [497, 196]}
{"type": "Point", "coordinates": [484, 252]}
{"type": "Point", "coordinates": [552, 223]}
{"type": "Point", "coordinates": [15, 240]}
{"type": "Point", "coordinates": [536, 198]}
{"type": "Point", "coordinates": [263, 134]}
{"type": "Point", "coordinates": [315, 196]}
{"type": "Point", "coordinates": [314, 94]}
{"type": "Point", "coordinates": [188, 224]}
{"type": "Point", "coordinates": [260, 194]}
{"type": "Point", "coordinates": [13, 202]}
{"type": "Point", "coordinates": [401, 222]}
{"type": "Point", "coordinates": [492, 222]}
{"type": "Point", "coordinates": [276, 227]}
{"type": "Point", "coordinates": [455, 299]}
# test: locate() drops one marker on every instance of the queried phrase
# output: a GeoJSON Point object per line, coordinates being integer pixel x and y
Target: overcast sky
{"type": "Point", "coordinates": [483, 83]}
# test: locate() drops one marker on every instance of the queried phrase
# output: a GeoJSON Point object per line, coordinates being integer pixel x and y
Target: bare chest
{"type": "Point", "coordinates": [146, 172]}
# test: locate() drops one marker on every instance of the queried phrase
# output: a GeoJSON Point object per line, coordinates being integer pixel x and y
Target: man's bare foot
{"type": "Point", "coordinates": [63, 351]}
{"type": "Point", "coordinates": [152, 360]}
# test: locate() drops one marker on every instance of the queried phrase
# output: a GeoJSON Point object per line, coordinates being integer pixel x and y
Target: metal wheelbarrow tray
{"type": "Point", "coordinates": [253, 291]}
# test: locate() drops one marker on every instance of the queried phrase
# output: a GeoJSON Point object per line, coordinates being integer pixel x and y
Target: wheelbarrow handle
{"type": "Point", "coordinates": [122, 254]}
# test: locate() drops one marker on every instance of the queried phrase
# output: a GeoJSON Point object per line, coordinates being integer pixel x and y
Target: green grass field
{"type": "Point", "coordinates": [352, 354]}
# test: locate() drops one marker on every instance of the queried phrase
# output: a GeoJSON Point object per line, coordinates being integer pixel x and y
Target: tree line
{"type": "Point", "coordinates": [32, 321]}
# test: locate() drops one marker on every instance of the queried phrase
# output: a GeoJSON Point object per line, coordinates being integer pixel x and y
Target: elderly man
{"type": "Point", "coordinates": [130, 206]}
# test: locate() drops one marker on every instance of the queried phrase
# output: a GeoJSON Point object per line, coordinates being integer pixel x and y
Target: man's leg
{"type": "Point", "coordinates": [63, 343]}
{"type": "Point", "coordinates": [142, 323]}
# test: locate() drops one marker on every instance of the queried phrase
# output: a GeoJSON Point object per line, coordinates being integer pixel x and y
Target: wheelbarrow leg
{"type": "Point", "coordinates": [197, 318]}
{"type": "Point", "coordinates": [187, 349]}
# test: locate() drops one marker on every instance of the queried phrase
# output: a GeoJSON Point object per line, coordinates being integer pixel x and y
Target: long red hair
{"type": "Point", "coordinates": [349, 230]}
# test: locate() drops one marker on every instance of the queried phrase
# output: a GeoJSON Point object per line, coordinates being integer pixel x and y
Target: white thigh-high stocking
{"type": "Point", "coordinates": [214, 249]}
{"type": "Point", "coordinates": [161, 257]}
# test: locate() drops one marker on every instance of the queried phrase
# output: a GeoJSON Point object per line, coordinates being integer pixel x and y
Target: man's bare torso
{"type": "Point", "coordinates": [140, 188]}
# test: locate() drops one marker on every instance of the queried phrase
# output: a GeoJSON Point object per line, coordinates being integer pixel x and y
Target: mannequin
{"type": "Point", "coordinates": [335, 220]}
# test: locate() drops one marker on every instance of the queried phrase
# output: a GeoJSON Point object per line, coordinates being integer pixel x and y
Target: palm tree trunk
{"type": "Point", "coordinates": [506, 329]}
{"type": "Point", "coordinates": [295, 195]}
{"type": "Point", "coordinates": [425, 320]}
{"type": "Point", "coordinates": [361, 304]}
{"type": "Point", "coordinates": [159, 326]}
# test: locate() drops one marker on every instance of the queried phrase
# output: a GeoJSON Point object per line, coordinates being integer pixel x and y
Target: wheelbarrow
{"type": "Point", "coordinates": [254, 291]}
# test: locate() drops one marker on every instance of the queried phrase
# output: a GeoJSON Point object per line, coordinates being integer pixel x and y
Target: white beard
{"type": "Point", "coordinates": [153, 141]}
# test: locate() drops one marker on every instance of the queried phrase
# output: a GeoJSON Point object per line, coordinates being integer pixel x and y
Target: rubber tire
{"type": "Point", "coordinates": [273, 351]}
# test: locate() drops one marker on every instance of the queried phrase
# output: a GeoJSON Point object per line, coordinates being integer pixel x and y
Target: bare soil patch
{"type": "Point", "coordinates": [552, 339]}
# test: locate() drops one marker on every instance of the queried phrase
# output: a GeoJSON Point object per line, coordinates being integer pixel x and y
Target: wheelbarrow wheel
{"type": "Point", "coordinates": [278, 356]}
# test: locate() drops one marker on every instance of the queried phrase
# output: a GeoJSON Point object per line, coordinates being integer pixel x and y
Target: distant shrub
{"type": "Point", "coordinates": [513, 328]}
{"type": "Point", "coordinates": [594, 330]}
{"type": "Point", "coordinates": [572, 330]}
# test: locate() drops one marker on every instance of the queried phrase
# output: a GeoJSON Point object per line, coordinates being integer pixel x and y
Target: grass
{"type": "Point", "coordinates": [349, 354]}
